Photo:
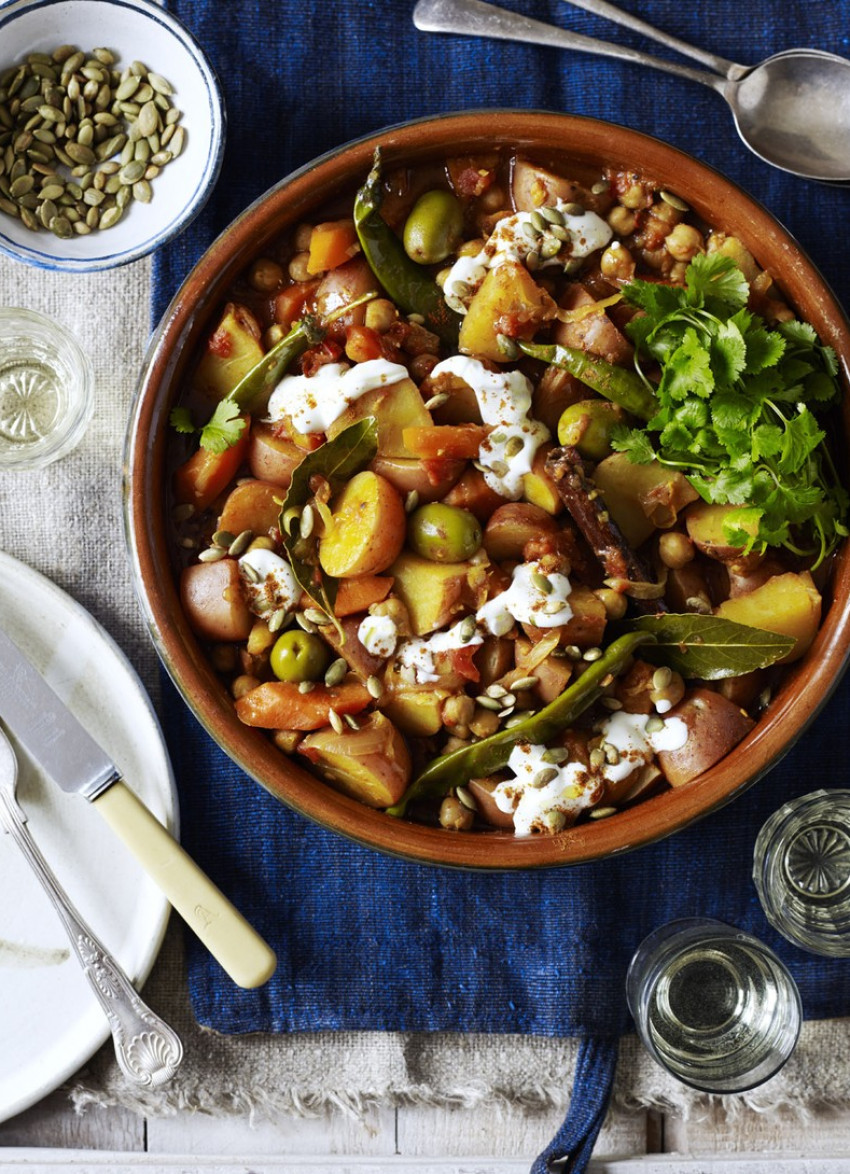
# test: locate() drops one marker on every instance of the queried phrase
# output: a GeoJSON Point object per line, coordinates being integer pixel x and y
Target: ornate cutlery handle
{"type": "Point", "coordinates": [148, 1050]}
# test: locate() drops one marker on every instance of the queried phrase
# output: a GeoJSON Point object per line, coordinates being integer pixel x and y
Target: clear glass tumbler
{"type": "Point", "coordinates": [713, 1005]}
{"type": "Point", "coordinates": [46, 390]}
{"type": "Point", "coordinates": [801, 870]}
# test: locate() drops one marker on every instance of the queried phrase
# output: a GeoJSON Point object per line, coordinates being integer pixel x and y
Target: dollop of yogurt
{"type": "Point", "coordinates": [511, 241]}
{"type": "Point", "coordinates": [527, 601]}
{"type": "Point", "coordinates": [418, 655]}
{"type": "Point", "coordinates": [504, 401]}
{"type": "Point", "coordinates": [545, 797]}
{"type": "Point", "coordinates": [314, 402]}
{"type": "Point", "coordinates": [268, 582]}
{"type": "Point", "coordinates": [378, 635]}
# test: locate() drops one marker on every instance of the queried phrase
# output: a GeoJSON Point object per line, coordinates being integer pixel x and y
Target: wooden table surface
{"type": "Point", "coordinates": [52, 1136]}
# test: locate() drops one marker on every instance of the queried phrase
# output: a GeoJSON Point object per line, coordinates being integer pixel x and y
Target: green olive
{"type": "Point", "coordinates": [434, 227]}
{"type": "Point", "coordinates": [443, 533]}
{"type": "Point", "coordinates": [588, 426]}
{"type": "Point", "coordinates": [299, 656]}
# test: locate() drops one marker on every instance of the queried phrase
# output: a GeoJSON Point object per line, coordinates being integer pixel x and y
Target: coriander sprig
{"type": "Point", "coordinates": [734, 409]}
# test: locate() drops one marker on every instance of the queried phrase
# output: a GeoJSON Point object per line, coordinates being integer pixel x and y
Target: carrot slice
{"type": "Point", "coordinates": [278, 705]}
{"type": "Point", "coordinates": [331, 245]}
{"type": "Point", "coordinates": [458, 441]}
{"type": "Point", "coordinates": [354, 595]}
{"type": "Point", "coordinates": [206, 474]}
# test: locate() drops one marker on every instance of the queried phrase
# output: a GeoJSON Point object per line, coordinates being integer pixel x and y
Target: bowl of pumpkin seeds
{"type": "Point", "coordinates": [112, 131]}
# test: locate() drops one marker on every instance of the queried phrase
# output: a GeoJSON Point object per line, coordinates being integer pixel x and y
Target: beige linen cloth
{"type": "Point", "coordinates": [66, 522]}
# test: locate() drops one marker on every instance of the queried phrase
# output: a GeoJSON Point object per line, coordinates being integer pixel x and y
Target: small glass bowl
{"type": "Point", "coordinates": [46, 390]}
{"type": "Point", "coordinates": [801, 870]}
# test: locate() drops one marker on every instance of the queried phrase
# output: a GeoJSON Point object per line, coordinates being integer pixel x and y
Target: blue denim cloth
{"type": "Point", "coordinates": [369, 942]}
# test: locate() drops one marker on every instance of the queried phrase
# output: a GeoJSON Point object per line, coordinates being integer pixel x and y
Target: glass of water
{"type": "Point", "coordinates": [801, 870]}
{"type": "Point", "coordinates": [713, 1005]}
{"type": "Point", "coordinates": [46, 390]}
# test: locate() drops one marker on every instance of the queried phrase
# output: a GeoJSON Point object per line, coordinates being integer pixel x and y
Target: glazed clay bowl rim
{"type": "Point", "coordinates": [586, 140]}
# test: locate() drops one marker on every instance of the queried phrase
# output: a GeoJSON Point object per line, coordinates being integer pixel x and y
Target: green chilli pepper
{"type": "Point", "coordinates": [252, 391]}
{"type": "Point", "coordinates": [618, 384]}
{"type": "Point", "coordinates": [407, 283]}
{"type": "Point", "coordinates": [491, 754]}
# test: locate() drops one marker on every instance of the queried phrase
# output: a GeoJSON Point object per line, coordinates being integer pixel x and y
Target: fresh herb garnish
{"type": "Point", "coordinates": [223, 429]}
{"type": "Point", "coordinates": [734, 409]}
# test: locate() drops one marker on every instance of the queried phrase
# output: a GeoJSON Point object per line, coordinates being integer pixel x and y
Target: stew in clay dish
{"type": "Point", "coordinates": [500, 493]}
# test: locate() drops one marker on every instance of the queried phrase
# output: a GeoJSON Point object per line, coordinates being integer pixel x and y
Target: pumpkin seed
{"type": "Point", "coordinates": [601, 812]}
{"type": "Point", "coordinates": [306, 686]}
{"type": "Point", "coordinates": [160, 84]}
{"type": "Point", "coordinates": [551, 215]}
{"type": "Point", "coordinates": [131, 172]}
{"type": "Point", "coordinates": [315, 615]}
{"type": "Point", "coordinates": [148, 119]}
{"type": "Point", "coordinates": [110, 216]}
{"type": "Point", "coordinates": [524, 683]}
{"type": "Point", "coordinates": [240, 543]}
{"type": "Point", "coordinates": [374, 687]}
{"type": "Point", "coordinates": [336, 721]}
{"type": "Point", "coordinates": [674, 201]}
{"type": "Point", "coordinates": [335, 672]}
{"type": "Point", "coordinates": [22, 185]}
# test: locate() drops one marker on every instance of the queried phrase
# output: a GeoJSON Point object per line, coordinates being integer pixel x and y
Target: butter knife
{"type": "Point", "coordinates": [51, 734]}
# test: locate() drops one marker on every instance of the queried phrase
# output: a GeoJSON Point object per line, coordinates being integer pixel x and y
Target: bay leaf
{"type": "Point", "coordinates": [708, 648]}
{"type": "Point", "coordinates": [336, 461]}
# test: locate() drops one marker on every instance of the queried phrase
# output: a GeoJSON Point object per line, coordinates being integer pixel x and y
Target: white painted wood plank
{"type": "Point", "coordinates": [332, 1133]}
{"type": "Point", "coordinates": [508, 1130]}
{"type": "Point", "coordinates": [781, 1131]}
{"type": "Point", "coordinates": [22, 1161]}
{"type": "Point", "coordinates": [53, 1122]}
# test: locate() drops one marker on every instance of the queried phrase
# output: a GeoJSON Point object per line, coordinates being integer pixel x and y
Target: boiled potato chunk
{"type": "Point", "coordinates": [367, 528]}
{"type": "Point", "coordinates": [789, 604]}
{"type": "Point", "coordinates": [641, 498]}
{"type": "Point", "coordinates": [212, 599]}
{"type": "Point", "coordinates": [715, 726]}
{"type": "Point", "coordinates": [433, 593]}
{"type": "Point", "coordinates": [232, 351]}
{"type": "Point", "coordinates": [395, 406]}
{"type": "Point", "coordinates": [538, 488]}
{"type": "Point", "coordinates": [513, 525]}
{"type": "Point", "coordinates": [431, 480]}
{"type": "Point", "coordinates": [252, 505]}
{"type": "Point", "coordinates": [417, 712]}
{"type": "Point", "coordinates": [705, 523]}
{"type": "Point", "coordinates": [371, 764]}
{"type": "Point", "coordinates": [508, 295]}
{"type": "Point", "coordinates": [272, 457]}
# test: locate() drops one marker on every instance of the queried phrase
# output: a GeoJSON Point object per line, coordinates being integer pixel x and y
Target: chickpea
{"type": "Point", "coordinates": [454, 816]}
{"type": "Point", "coordinates": [617, 262]}
{"type": "Point", "coordinates": [634, 196]}
{"type": "Point", "coordinates": [622, 220]}
{"type": "Point", "coordinates": [421, 366]}
{"type": "Point", "coordinates": [484, 722]}
{"type": "Point", "coordinates": [493, 199]}
{"type": "Point", "coordinates": [273, 335]}
{"type": "Point", "coordinates": [380, 315]}
{"type": "Point", "coordinates": [471, 248]}
{"type": "Point", "coordinates": [266, 275]}
{"type": "Point", "coordinates": [287, 740]}
{"type": "Point", "coordinates": [243, 684]}
{"type": "Point", "coordinates": [360, 345]}
{"type": "Point", "coordinates": [684, 242]}
{"type": "Point", "coordinates": [298, 270]}
{"type": "Point", "coordinates": [457, 710]}
{"type": "Point", "coordinates": [614, 602]}
{"type": "Point", "coordinates": [260, 639]}
{"type": "Point", "coordinates": [301, 239]}
{"type": "Point", "coordinates": [675, 549]}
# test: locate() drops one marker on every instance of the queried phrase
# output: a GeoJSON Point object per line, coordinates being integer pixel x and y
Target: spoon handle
{"type": "Point", "coordinates": [720, 65]}
{"type": "Point", "coordinates": [147, 1049]}
{"type": "Point", "coordinates": [477, 19]}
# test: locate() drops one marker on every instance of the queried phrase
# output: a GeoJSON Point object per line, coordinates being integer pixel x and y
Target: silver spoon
{"type": "Point", "coordinates": [792, 110]}
{"type": "Point", "coordinates": [147, 1049]}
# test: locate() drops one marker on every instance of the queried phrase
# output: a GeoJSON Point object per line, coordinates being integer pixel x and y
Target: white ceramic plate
{"type": "Point", "coordinates": [135, 30]}
{"type": "Point", "coordinates": [50, 1022]}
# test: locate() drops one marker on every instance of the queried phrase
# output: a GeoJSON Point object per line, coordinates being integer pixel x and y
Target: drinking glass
{"type": "Point", "coordinates": [801, 870]}
{"type": "Point", "coordinates": [713, 1005]}
{"type": "Point", "coordinates": [46, 390]}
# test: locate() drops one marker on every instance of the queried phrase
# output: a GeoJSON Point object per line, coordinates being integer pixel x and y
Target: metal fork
{"type": "Point", "coordinates": [148, 1050]}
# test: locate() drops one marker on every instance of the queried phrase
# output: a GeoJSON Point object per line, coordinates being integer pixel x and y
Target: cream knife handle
{"type": "Point", "coordinates": [224, 931]}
